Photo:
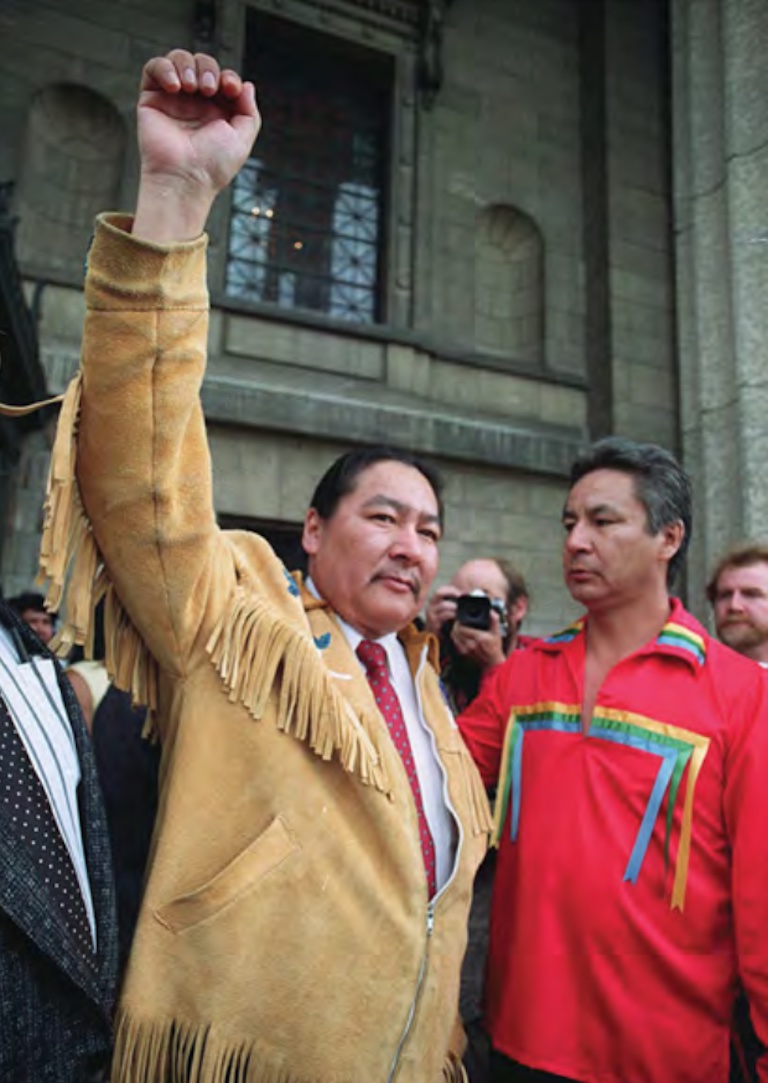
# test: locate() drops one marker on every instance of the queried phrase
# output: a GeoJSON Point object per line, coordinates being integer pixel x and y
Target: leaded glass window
{"type": "Point", "coordinates": [308, 207]}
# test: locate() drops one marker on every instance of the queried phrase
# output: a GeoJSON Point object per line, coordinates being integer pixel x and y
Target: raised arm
{"type": "Point", "coordinates": [196, 127]}
{"type": "Point", "coordinates": [143, 463]}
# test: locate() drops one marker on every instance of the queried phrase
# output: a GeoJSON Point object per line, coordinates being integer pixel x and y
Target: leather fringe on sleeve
{"type": "Point", "coordinates": [72, 566]}
{"type": "Point", "coordinates": [256, 653]}
{"type": "Point", "coordinates": [480, 817]}
{"type": "Point", "coordinates": [454, 1071]}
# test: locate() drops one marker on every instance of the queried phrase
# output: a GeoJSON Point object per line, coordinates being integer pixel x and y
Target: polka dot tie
{"type": "Point", "coordinates": [374, 658]}
{"type": "Point", "coordinates": [22, 794]}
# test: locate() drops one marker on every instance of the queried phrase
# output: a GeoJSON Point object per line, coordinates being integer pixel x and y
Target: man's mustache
{"type": "Point", "coordinates": [413, 581]}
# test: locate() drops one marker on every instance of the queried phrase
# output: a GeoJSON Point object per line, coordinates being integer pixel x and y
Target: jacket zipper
{"type": "Point", "coordinates": [431, 905]}
{"type": "Point", "coordinates": [419, 982]}
{"type": "Point", "coordinates": [446, 795]}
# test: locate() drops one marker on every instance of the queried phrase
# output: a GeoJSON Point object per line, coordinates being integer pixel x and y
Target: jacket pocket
{"type": "Point", "coordinates": [265, 854]}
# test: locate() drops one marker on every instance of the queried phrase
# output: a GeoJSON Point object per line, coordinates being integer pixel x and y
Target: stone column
{"type": "Point", "coordinates": [720, 152]}
{"type": "Point", "coordinates": [745, 34]}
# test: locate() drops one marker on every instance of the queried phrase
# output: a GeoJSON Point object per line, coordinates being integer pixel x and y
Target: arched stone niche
{"type": "Point", "coordinates": [509, 285]}
{"type": "Point", "coordinates": [71, 168]}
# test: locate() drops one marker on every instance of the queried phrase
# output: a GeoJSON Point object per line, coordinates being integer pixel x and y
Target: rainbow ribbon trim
{"type": "Point", "coordinates": [675, 747]}
{"type": "Point", "coordinates": [671, 635]}
{"type": "Point", "coordinates": [677, 635]}
{"type": "Point", "coordinates": [565, 635]}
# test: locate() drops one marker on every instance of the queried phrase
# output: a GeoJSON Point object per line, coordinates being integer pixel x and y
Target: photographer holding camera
{"type": "Point", "coordinates": [476, 617]}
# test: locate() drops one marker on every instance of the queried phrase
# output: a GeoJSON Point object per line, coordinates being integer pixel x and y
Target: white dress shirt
{"type": "Point", "coordinates": [432, 779]}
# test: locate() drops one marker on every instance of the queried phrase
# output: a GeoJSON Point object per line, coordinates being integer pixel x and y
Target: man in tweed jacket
{"type": "Point", "coordinates": [56, 987]}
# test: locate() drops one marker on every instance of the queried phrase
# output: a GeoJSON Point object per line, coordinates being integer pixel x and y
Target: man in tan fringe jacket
{"type": "Point", "coordinates": [305, 912]}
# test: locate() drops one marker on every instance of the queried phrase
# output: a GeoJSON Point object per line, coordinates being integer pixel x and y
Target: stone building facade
{"type": "Point", "coordinates": [488, 277]}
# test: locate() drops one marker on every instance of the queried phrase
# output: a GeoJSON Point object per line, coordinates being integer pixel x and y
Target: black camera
{"type": "Point", "coordinates": [474, 611]}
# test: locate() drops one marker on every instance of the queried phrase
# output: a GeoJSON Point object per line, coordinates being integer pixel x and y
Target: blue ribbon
{"type": "Point", "coordinates": [517, 760]}
{"type": "Point", "coordinates": [640, 848]}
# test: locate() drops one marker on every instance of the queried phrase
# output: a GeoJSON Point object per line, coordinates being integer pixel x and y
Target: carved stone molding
{"type": "Point", "coordinates": [427, 18]}
{"type": "Point", "coordinates": [404, 11]}
{"type": "Point", "coordinates": [431, 49]}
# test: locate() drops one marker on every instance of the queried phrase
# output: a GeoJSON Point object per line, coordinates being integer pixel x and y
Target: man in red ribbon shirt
{"type": "Point", "coordinates": [631, 753]}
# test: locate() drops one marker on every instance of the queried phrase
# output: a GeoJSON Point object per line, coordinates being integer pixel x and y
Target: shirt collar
{"type": "Point", "coordinates": [681, 637]}
{"type": "Point", "coordinates": [355, 638]}
{"type": "Point", "coordinates": [409, 638]}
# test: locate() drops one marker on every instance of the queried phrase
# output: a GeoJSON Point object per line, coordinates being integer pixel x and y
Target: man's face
{"type": "Point", "coordinates": [609, 558]}
{"type": "Point", "coordinates": [741, 609]}
{"type": "Point", "coordinates": [375, 559]}
{"type": "Point", "coordinates": [41, 623]}
{"type": "Point", "coordinates": [483, 575]}
{"type": "Point", "coordinates": [486, 575]}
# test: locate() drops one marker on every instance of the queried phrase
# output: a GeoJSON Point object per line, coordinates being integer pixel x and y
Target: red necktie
{"type": "Point", "coordinates": [374, 658]}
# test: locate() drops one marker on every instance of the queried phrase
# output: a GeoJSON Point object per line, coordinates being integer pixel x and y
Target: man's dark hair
{"type": "Point", "coordinates": [661, 485]}
{"type": "Point", "coordinates": [341, 477]}
{"type": "Point", "coordinates": [29, 599]}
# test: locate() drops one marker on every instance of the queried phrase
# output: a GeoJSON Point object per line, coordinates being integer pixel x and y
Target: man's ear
{"type": "Point", "coordinates": [311, 535]}
{"type": "Point", "coordinates": [518, 611]}
{"type": "Point", "coordinates": [671, 537]}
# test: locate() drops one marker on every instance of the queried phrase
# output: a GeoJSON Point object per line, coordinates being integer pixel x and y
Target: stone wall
{"type": "Point", "coordinates": [528, 294]}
